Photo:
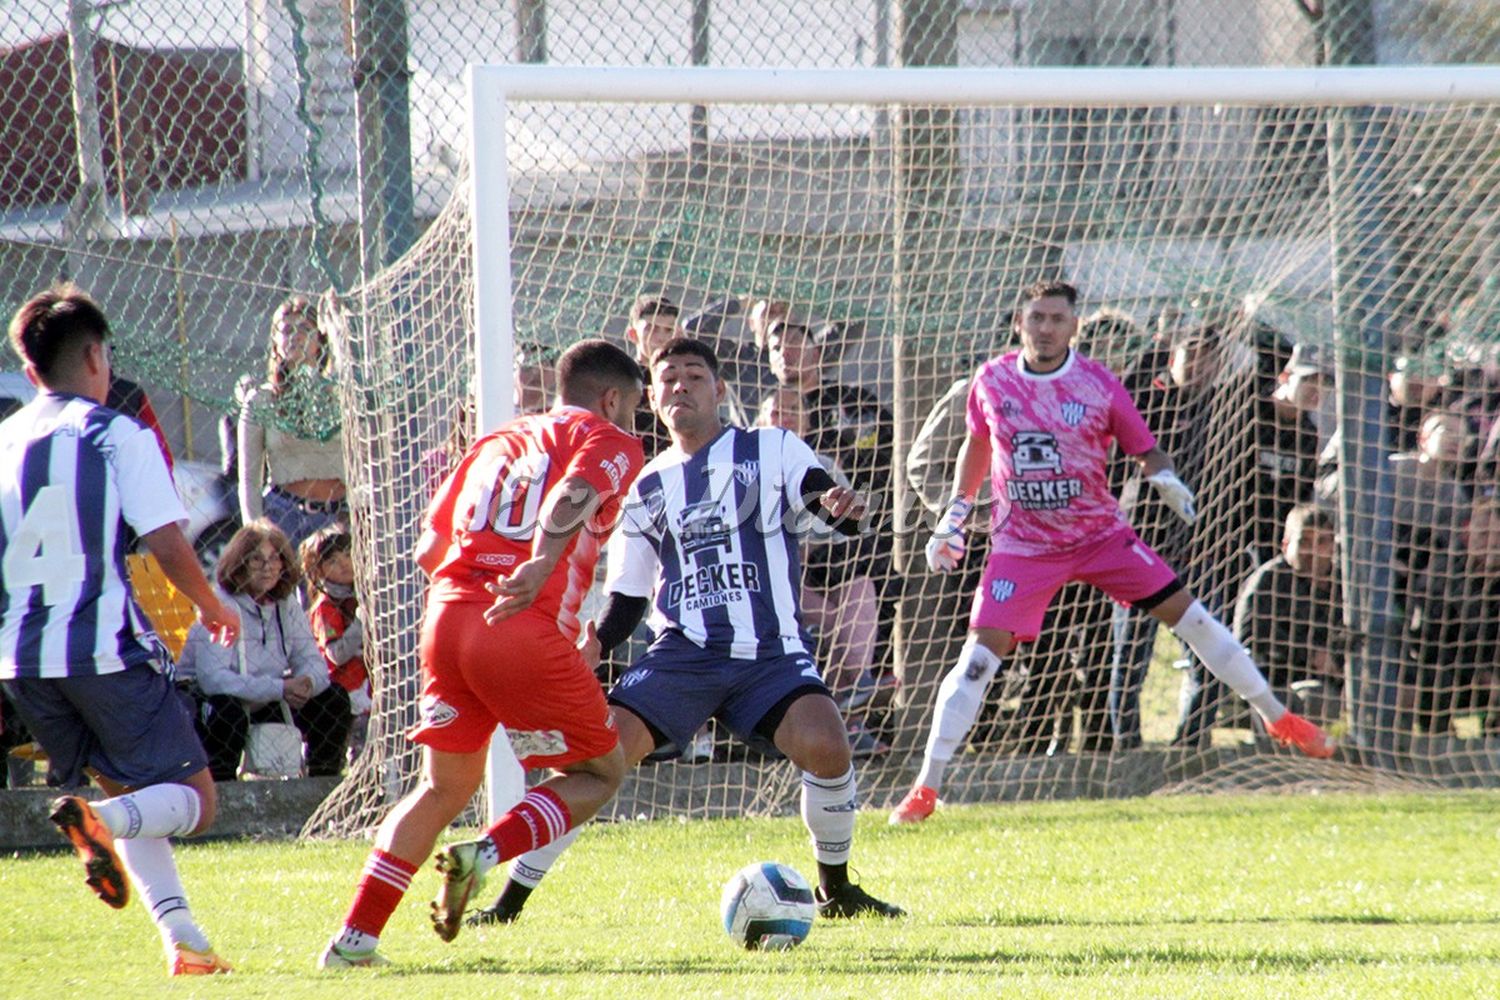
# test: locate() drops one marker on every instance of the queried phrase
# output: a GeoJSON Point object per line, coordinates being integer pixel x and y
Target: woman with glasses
{"type": "Point", "coordinates": [274, 670]}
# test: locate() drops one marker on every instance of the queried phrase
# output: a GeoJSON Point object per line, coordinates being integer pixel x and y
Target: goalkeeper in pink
{"type": "Point", "coordinates": [1041, 420]}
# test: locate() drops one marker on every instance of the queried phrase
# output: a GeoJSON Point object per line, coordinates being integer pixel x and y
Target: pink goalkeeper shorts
{"type": "Point", "coordinates": [1016, 590]}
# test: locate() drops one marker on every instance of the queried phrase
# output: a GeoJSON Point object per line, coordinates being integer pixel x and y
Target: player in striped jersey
{"type": "Point", "coordinates": [510, 545]}
{"type": "Point", "coordinates": [710, 539]}
{"type": "Point", "coordinates": [77, 655]}
{"type": "Point", "coordinates": [1041, 420]}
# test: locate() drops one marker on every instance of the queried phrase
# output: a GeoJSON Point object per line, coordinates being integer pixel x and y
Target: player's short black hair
{"type": "Point", "coordinates": [679, 346]}
{"type": "Point", "coordinates": [1047, 288]}
{"type": "Point", "coordinates": [54, 322]}
{"type": "Point", "coordinates": [654, 304]}
{"type": "Point", "coordinates": [591, 366]}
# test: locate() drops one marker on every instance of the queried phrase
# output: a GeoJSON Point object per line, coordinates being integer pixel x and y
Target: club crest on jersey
{"type": "Point", "coordinates": [746, 473]}
{"type": "Point", "coordinates": [1001, 590]}
{"type": "Point", "coordinates": [1073, 413]}
{"type": "Point", "coordinates": [699, 528]}
{"type": "Point", "coordinates": [655, 505]}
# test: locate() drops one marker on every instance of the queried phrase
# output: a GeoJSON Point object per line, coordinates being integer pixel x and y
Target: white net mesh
{"type": "Point", "coordinates": [1299, 326]}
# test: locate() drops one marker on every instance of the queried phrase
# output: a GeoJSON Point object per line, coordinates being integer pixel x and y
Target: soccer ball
{"type": "Point", "coordinates": [767, 907]}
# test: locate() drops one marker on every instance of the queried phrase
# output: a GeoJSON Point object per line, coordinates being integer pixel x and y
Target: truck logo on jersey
{"type": "Point", "coordinates": [1073, 413]}
{"type": "Point", "coordinates": [714, 585]}
{"type": "Point", "coordinates": [1034, 451]}
{"type": "Point", "coordinates": [700, 528]}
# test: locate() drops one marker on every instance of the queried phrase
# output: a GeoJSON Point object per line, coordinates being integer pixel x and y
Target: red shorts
{"type": "Point", "coordinates": [522, 674]}
{"type": "Point", "coordinates": [1016, 590]}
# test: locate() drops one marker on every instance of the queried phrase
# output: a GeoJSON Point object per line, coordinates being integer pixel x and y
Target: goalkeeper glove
{"type": "Point", "coordinates": [945, 549]}
{"type": "Point", "coordinates": [1174, 493]}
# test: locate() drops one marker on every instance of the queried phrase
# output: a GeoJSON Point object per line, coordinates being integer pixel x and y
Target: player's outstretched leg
{"type": "Point", "coordinates": [526, 873]}
{"type": "Point", "coordinates": [960, 697]}
{"type": "Point", "coordinates": [1228, 660]}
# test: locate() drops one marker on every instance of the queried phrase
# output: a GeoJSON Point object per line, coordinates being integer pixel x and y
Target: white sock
{"type": "Point", "coordinates": [1227, 660]}
{"type": "Point", "coordinates": [828, 812]}
{"type": "Point", "coordinates": [530, 868]}
{"type": "Point", "coordinates": [356, 942]}
{"type": "Point", "coordinates": [153, 870]}
{"type": "Point", "coordinates": [168, 810]}
{"type": "Point", "coordinates": [960, 697]}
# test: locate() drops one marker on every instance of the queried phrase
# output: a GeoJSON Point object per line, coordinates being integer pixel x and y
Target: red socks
{"type": "Point", "coordinates": [381, 886]}
{"type": "Point", "coordinates": [538, 819]}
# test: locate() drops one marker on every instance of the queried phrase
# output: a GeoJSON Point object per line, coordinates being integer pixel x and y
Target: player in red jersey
{"type": "Point", "coordinates": [510, 544]}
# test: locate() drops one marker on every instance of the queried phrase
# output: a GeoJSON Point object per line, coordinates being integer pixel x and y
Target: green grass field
{"type": "Point", "coordinates": [1253, 896]}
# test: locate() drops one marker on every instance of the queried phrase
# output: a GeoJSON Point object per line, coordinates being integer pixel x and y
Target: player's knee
{"type": "Point", "coordinates": [826, 754]}
{"type": "Point", "coordinates": [208, 802]}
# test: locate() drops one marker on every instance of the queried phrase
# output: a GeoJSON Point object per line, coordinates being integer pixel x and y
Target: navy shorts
{"type": "Point", "coordinates": [133, 727]}
{"type": "Point", "coordinates": [677, 686]}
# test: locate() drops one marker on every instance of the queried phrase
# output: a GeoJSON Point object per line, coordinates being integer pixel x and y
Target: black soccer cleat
{"type": "Point", "coordinates": [491, 915]}
{"type": "Point", "coordinates": [849, 900]}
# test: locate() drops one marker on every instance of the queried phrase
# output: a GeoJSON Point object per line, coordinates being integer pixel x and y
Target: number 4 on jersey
{"type": "Point", "coordinates": [45, 550]}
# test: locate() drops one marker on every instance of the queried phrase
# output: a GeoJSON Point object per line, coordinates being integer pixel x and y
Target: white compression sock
{"type": "Point", "coordinates": [1227, 660]}
{"type": "Point", "coordinates": [530, 868]}
{"type": "Point", "coordinates": [959, 699]}
{"type": "Point", "coordinates": [168, 810]}
{"type": "Point", "coordinates": [828, 812]}
{"type": "Point", "coordinates": [153, 869]}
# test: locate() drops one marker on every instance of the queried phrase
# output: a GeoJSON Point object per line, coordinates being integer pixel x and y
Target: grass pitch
{"type": "Point", "coordinates": [1252, 896]}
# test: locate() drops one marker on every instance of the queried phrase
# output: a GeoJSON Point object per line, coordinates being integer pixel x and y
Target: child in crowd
{"type": "Point", "coordinates": [328, 568]}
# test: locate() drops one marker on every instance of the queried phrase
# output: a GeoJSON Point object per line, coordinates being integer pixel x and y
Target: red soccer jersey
{"type": "Point", "coordinates": [490, 506]}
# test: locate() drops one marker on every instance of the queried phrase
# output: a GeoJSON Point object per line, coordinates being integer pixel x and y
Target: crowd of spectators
{"type": "Point", "coordinates": [1246, 411]}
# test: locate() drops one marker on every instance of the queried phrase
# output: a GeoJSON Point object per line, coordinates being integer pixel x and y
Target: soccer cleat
{"type": "Point", "coordinates": [334, 957]}
{"type": "Point", "coordinates": [917, 806]}
{"type": "Point", "coordinates": [187, 962]}
{"type": "Point", "coordinates": [1293, 730]}
{"type": "Point", "coordinates": [490, 915]}
{"type": "Point", "coordinates": [95, 846]}
{"type": "Point", "coordinates": [461, 881]}
{"type": "Point", "coordinates": [849, 900]}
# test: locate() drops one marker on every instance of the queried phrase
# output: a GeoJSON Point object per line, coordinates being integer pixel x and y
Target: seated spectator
{"type": "Point", "coordinates": [276, 660]}
{"type": "Point", "coordinates": [1431, 496]}
{"type": "Point", "coordinates": [1453, 628]}
{"type": "Point", "coordinates": [1288, 616]}
{"type": "Point", "coordinates": [328, 566]}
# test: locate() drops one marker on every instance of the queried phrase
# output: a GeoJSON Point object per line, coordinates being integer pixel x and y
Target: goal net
{"type": "Point", "coordinates": [1291, 271]}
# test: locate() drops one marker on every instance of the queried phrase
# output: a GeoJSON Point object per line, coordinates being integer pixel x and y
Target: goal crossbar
{"type": "Point", "coordinates": [1047, 86]}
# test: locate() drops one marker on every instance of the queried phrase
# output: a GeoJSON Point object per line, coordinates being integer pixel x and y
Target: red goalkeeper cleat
{"type": "Point", "coordinates": [1293, 730]}
{"type": "Point", "coordinates": [917, 806]}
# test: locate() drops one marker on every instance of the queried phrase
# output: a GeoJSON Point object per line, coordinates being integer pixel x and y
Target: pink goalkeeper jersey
{"type": "Point", "coordinates": [1049, 450]}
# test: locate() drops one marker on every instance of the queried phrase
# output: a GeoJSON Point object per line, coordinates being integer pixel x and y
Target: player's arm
{"type": "Point", "coordinates": [180, 564]}
{"type": "Point", "coordinates": [568, 507]}
{"type": "Point", "coordinates": [621, 614]}
{"type": "Point", "coordinates": [945, 549]}
{"type": "Point", "coordinates": [431, 547]}
{"type": "Point", "coordinates": [1157, 469]}
{"type": "Point", "coordinates": [839, 507]}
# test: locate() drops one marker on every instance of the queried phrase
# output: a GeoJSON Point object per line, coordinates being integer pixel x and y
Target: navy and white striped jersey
{"type": "Point", "coordinates": [73, 474]}
{"type": "Point", "coordinates": [715, 536]}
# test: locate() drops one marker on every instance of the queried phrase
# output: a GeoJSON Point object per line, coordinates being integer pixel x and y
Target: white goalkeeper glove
{"type": "Point", "coordinates": [1174, 493]}
{"type": "Point", "coordinates": [945, 549]}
